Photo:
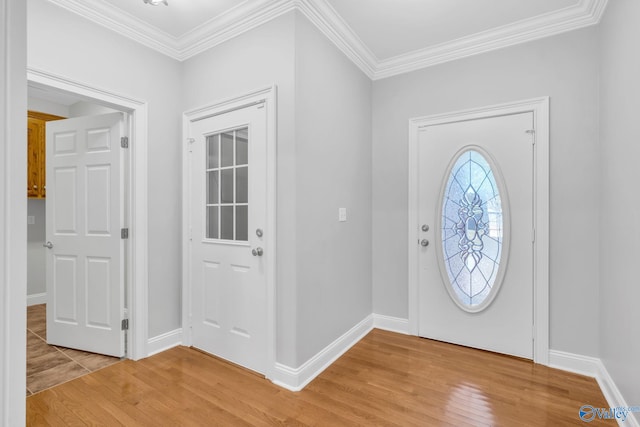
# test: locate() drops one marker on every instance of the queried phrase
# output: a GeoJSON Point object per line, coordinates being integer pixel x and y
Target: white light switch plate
{"type": "Point", "coordinates": [342, 214]}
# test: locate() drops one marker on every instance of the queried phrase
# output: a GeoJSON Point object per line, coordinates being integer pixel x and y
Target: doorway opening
{"type": "Point", "coordinates": [95, 100]}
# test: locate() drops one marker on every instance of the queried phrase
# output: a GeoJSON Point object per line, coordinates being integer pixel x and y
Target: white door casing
{"type": "Point", "coordinates": [85, 214]}
{"type": "Point", "coordinates": [228, 300]}
{"type": "Point", "coordinates": [540, 212]}
{"type": "Point", "coordinates": [503, 321]}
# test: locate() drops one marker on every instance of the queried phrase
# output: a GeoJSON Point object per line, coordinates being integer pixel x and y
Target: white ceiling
{"type": "Point", "coordinates": [51, 95]}
{"type": "Point", "coordinates": [382, 37]}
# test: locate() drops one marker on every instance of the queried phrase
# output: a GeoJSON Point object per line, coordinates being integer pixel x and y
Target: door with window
{"type": "Point", "coordinates": [84, 217]}
{"type": "Point", "coordinates": [475, 235]}
{"type": "Point", "coordinates": [228, 235]}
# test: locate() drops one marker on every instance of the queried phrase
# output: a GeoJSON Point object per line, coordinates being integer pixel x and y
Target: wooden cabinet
{"type": "Point", "coordinates": [36, 151]}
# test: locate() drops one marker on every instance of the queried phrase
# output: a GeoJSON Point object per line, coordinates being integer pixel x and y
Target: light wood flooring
{"type": "Point", "coordinates": [386, 379]}
{"type": "Point", "coordinates": [47, 365]}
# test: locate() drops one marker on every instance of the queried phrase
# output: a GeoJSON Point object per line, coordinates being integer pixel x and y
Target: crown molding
{"type": "Point", "coordinates": [229, 25]}
{"type": "Point", "coordinates": [583, 14]}
{"type": "Point", "coordinates": [331, 24]}
{"type": "Point", "coordinates": [238, 20]}
{"type": "Point", "coordinates": [246, 17]}
{"type": "Point", "coordinates": [124, 24]}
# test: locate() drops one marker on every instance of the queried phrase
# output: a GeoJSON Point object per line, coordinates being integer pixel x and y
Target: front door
{"type": "Point", "coordinates": [84, 217]}
{"type": "Point", "coordinates": [228, 235]}
{"type": "Point", "coordinates": [475, 233]}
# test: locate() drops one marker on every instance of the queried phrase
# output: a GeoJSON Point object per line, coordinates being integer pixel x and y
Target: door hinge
{"type": "Point", "coordinates": [124, 233]}
{"type": "Point", "coordinates": [532, 132]}
{"type": "Point", "coordinates": [125, 324]}
{"type": "Point", "coordinates": [533, 235]}
{"type": "Point", "coordinates": [124, 142]}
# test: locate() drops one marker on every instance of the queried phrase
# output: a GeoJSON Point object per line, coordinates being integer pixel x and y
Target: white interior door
{"type": "Point", "coordinates": [228, 234]}
{"type": "Point", "coordinates": [475, 235]}
{"type": "Point", "coordinates": [85, 267]}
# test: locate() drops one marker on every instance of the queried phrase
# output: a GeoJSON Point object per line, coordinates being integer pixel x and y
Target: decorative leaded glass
{"type": "Point", "coordinates": [471, 229]}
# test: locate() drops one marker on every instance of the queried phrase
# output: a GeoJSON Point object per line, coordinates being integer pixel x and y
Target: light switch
{"type": "Point", "coordinates": [31, 219]}
{"type": "Point", "coordinates": [342, 214]}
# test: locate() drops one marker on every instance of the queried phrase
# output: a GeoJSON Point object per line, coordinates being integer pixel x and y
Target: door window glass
{"type": "Point", "coordinates": [472, 231]}
{"type": "Point", "coordinates": [227, 181]}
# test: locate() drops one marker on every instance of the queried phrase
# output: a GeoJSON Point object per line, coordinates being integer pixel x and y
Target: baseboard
{"type": "Point", "coordinates": [614, 396]}
{"type": "Point", "coordinates": [164, 342]}
{"type": "Point", "coordinates": [393, 324]}
{"type": "Point", "coordinates": [593, 367]}
{"type": "Point", "coordinates": [295, 379]}
{"type": "Point", "coordinates": [36, 299]}
{"type": "Point", "coordinates": [576, 363]}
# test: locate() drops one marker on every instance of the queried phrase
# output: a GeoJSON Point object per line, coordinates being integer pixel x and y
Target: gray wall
{"type": "Point", "coordinates": [565, 68]}
{"type": "Point", "coordinates": [620, 219]}
{"type": "Point", "coordinates": [324, 267]}
{"type": "Point", "coordinates": [333, 169]}
{"type": "Point", "coordinates": [36, 253]}
{"type": "Point", "coordinates": [64, 44]}
{"type": "Point", "coordinates": [13, 211]}
{"type": "Point", "coordinates": [257, 59]}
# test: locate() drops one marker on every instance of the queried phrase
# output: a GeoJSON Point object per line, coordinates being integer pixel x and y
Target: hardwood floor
{"type": "Point", "coordinates": [386, 379]}
{"type": "Point", "coordinates": [47, 365]}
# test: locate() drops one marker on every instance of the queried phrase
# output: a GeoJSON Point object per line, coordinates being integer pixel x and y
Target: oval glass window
{"type": "Point", "coordinates": [473, 230]}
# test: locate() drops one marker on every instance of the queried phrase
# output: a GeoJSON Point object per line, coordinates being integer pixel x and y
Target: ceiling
{"type": "Point", "coordinates": [382, 37]}
{"type": "Point", "coordinates": [55, 96]}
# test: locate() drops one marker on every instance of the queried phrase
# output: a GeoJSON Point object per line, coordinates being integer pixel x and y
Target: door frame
{"type": "Point", "coordinates": [137, 216]}
{"type": "Point", "coordinates": [267, 96]}
{"type": "Point", "coordinates": [540, 109]}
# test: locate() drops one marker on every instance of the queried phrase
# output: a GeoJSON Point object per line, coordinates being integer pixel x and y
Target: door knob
{"type": "Point", "coordinates": [424, 242]}
{"type": "Point", "coordinates": [257, 252]}
{"type": "Point", "coordinates": [48, 245]}
{"type": "Point", "coordinates": [425, 227]}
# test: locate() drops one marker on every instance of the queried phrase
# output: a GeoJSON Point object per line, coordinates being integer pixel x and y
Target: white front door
{"type": "Point", "coordinates": [228, 236]}
{"type": "Point", "coordinates": [84, 211]}
{"type": "Point", "coordinates": [475, 233]}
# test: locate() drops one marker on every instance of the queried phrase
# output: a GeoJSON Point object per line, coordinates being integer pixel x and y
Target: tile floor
{"type": "Point", "coordinates": [48, 365]}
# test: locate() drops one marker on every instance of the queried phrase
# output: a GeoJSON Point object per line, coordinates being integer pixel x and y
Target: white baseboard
{"type": "Point", "coordinates": [614, 396]}
{"type": "Point", "coordinates": [393, 324]}
{"type": "Point", "coordinates": [36, 299]}
{"type": "Point", "coordinates": [164, 342]}
{"type": "Point", "coordinates": [576, 363]}
{"type": "Point", "coordinates": [593, 367]}
{"type": "Point", "coordinates": [295, 379]}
